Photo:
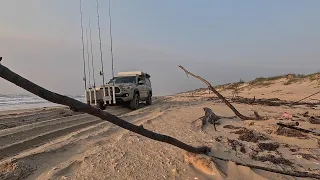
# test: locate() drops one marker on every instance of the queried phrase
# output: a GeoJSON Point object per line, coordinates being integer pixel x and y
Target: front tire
{"type": "Point", "coordinates": [134, 103]}
{"type": "Point", "coordinates": [149, 100]}
{"type": "Point", "coordinates": [101, 105]}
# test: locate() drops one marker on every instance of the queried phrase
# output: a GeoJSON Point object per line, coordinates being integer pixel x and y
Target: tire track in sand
{"type": "Point", "coordinates": [47, 151]}
{"type": "Point", "coordinates": [15, 148]}
{"type": "Point", "coordinates": [22, 138]}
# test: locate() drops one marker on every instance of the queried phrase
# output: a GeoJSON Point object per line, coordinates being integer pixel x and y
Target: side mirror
{"type": "Point", "coordinates": [141, 82]}
{"type": "Point", "coordinates": [111, 81]}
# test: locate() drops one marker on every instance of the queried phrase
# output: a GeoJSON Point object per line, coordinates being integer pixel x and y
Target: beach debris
{"type": "Point", "coordinates": [272, 102]}
{"type": "Point", "coordinates": [287, 115]}
{"type": "Point", "coordinates": [290, 124]}
{"type": "Point", "coordinates": [294, 131]}
{"type": "Point", "coordinates": [273, 159]}
{"type": "Point", "coordinates": [310, 105]}
{"type": "Point", "coordinates": [306, 156]}
{"type": "Point", "coordinates": [269, 131]}
{"type": "Point", "coordinates": [314, 120]}
{"type": "Point", "coordinates": [218, 139]}
{"type": "Point", "coordinates": [306, 114]}
{"type": "Point", "coordinates": [236, 145]}
{"type": "Point", "coordinates": [250, 135]}
{"type": "Point", "coordinates": [290, 133]}
{"type": "Point", "coordinates": [270, 146]}
{"type": "Point", "coordinates": [210, 117]}
{"type": "Point", "coordinates": [276, 161]}
{"type": "Point", "coordinates": [229, 126]}
{"type": "Point", "coordinates": [293, 150]}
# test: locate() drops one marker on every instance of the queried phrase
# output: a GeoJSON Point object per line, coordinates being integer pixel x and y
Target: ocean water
{"type": "Point", "coordinates": [26, 101]}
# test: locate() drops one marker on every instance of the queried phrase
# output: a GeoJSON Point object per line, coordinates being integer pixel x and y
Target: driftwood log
{"type": "Point", "coordinates": [75, 105]}
{"type": "Point", "coordinates": [210, 117]}
{"type": "Point", "coordinates": [297, 128]}
{"type": "Point", "coordinates": [290, 173]}
{"type": "Point", "coordinates": [241, 116]}
{"type": "Point", "coordinates": [271, 102]}
{"type": "Point", "coordinates": [290, 124]}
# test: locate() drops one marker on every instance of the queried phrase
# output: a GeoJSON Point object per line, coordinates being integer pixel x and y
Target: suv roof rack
{"type": "Point", "coordinates": [133, 73]}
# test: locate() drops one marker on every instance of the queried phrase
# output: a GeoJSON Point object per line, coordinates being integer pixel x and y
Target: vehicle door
{"type": "Point", "coordinates": [148, 83]}
{"type": "Point", "coordinates": [142, 87]}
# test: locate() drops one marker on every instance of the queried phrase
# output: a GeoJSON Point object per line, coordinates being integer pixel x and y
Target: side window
{"type": "Point", "coordinates": [141, 78]}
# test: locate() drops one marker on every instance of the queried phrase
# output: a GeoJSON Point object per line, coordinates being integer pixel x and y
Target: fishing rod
{"type": "Point", "coordinates": [84, 60]}
{"type": "Point", "coordinates": [94, 80]}
{"type": "Point", "coordinates": [110, 32]}
{"type": "Point", "coordinates": [100, 44]}
{"type": "Point", "coordinates": [88, 57]}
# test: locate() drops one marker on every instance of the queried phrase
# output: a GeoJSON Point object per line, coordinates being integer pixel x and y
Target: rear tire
{"type": "Point", "coordinates": [134, 103]}
{"type": "Point", "coordinates": [149, 100]}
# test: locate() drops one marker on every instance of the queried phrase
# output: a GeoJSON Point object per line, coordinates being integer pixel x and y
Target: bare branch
{"type": "Point", "coordinates": [14, 78]}
{"type": "Point", "coordinates": [299, 129]}
{"type": "Point", "coordinates": [293, 173]}
{"type": "Point", "coordinates": [243, 117]}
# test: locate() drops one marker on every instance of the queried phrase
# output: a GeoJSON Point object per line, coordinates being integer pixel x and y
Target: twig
{"type": "Point", "coordinates": [241, 116]}
{"type": "Point", "coordinates": [299, 129]}
{"type": "Point", "coordinates": [306, 97]}
{"type": "Point", "coordinates": [293, 173]}
{"type": "Point", "coordinates": [14, 78]}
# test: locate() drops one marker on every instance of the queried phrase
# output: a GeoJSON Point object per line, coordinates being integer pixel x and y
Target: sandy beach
{"type": "Point", "coordinates": [56, 143]}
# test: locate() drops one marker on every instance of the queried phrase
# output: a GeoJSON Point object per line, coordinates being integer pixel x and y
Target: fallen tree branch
{"type": "Point", "coordinates": [241, 116]}
{"type": "Point", "coordinates": [306, 97]}
{"type": "Point", "coordinates": [299, 129]}
{"type": "Point", "coordinates": [290, 124]}
{"type": "Point", "coordinates": [293, 173]}
{"type": "Point", "coordinates": [271, 102]}
{"type": "Point", "coordinates": [75, 105]}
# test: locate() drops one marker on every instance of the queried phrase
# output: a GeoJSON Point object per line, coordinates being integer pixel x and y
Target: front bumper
{"type": "Point", "coordinates": [124, 96]}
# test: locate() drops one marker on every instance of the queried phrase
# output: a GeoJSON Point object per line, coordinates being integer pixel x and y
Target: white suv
{"type": "Point", "coordinates": [132, 87]}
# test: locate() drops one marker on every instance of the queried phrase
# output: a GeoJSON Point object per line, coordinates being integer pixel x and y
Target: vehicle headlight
{"type": "Point", "coordinates": [126, 88]}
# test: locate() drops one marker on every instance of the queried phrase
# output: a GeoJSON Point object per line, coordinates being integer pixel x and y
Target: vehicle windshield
{"type": "Point", "coordinates": [120, 80]}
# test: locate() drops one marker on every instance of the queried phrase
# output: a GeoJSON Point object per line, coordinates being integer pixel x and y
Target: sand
{"type": "Point", "coordinates": [55, 143]}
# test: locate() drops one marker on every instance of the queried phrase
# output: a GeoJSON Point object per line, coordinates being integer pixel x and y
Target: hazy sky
{"type": "Point", "coordinates": [222, 41]}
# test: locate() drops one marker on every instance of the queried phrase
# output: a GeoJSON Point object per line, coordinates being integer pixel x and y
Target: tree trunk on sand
{"type": "Point", "coordinates": [75, 105]}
